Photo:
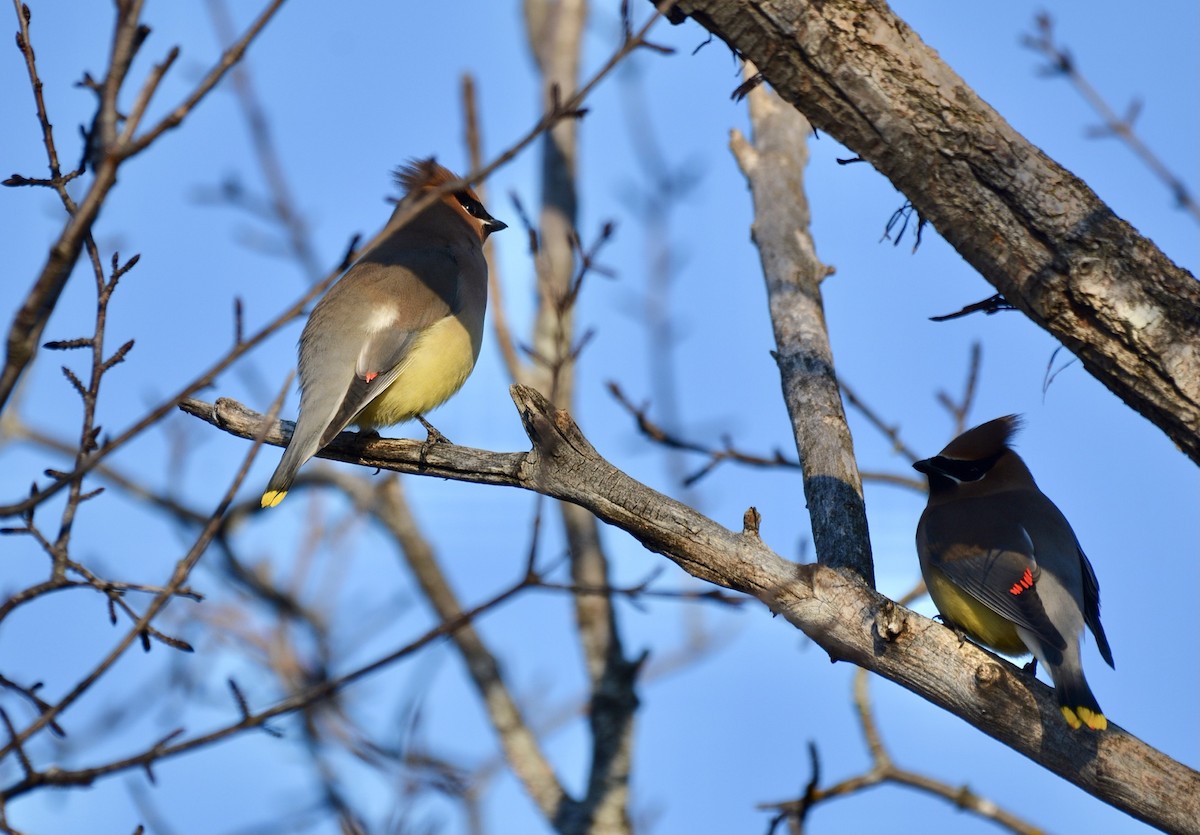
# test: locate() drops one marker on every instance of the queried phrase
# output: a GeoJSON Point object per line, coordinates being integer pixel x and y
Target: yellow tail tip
{"type": "Point", "coordinates": [274, 497]}
{"type": "Point", "coordinates": [1080, 716]}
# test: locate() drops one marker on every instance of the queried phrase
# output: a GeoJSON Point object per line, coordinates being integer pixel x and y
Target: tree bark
{"type": "Point", "coordinates": [835, 609]}
{"type": "Point", "coordinates": [1031, 228]}
{"type": "Point", "coordinates": [774, 166]}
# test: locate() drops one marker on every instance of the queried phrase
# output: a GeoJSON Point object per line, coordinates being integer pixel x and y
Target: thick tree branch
{"type": "Point", "coordinates": [1031, 228]}
{"type": "Point", "coordinates": [838, 612]}
{"type": "Point", "coordinates": [774, 166]}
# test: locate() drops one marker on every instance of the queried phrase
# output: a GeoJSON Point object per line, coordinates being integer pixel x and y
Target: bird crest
{"type": "Point", "coordinates": [420, 174]}
{"type": "Point", "coordinates": [984, 441]}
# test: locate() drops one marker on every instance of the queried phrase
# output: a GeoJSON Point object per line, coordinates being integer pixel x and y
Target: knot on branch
{"type": "Point", "coordinates": [750, 522]}
{"type": "Point", "coordinates": [890, 622]}
{"type": "Point", "coordinates": [987, 676]}
{"type": "Point", "coordinates": [552, 431]}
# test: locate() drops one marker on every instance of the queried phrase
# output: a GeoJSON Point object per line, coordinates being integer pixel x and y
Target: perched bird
{"type": "Point", "coordinates": [1003, 565]}
{"type": "Point", "coordinates": [399, 333]}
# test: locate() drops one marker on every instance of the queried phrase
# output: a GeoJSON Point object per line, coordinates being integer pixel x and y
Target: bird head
{"type": "Point", "coordinates": [974, 455]}
{"type": "Point", "coordinates": [421, 175]}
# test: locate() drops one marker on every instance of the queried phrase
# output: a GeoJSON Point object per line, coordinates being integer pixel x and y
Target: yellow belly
{"type": "Point", "coordinates": [436, 367]}
{"type": "Point", "coordinates": [977, 620]}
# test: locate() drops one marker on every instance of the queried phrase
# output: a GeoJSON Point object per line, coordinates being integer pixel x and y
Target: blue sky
{"type": "Point", "coordinates": [352, 94]}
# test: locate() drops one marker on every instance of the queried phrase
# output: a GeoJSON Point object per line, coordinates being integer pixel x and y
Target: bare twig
{"type": "Point", "coordinates": [249, 720]}
{"type": "Point", "coordinates": [499, 311]}
{"type": "Point", "coordinates": [522, 747]}
{"type": "Point", "coordinates": [182, 569]}
{"type": "Point", "coordinates": [728, 452]}
{"type": "Point", "coordinates": [106, 153]}
{"type": "Point", "coordinates": [884, 770]}
{"type": "Point", "coordinates": [282, 204]}
{"type": "Point", "coordinates": [1062, 62]}
{"type": "Point", "coordinates": [892, 433]}
{"type": "Point", "coordinates": [989, 306]}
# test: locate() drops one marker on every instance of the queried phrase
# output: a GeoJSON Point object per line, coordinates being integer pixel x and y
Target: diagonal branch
{"type": "Point", "coordinates": [183, 569]}
{"type": "Point", "coordinates": [838, 612]}
{"type": "Point", "coordinates": [30, 322]}
{"type": "Point", "coordinates": [522, 748]}
{"type": "Point", "coordinates": [1032, 229]}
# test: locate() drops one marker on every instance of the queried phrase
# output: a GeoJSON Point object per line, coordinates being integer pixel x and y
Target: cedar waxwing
{"type": "Point", "coordinates": [1003, 565]}
{"type": "Point", "coordinates": [399, 333]}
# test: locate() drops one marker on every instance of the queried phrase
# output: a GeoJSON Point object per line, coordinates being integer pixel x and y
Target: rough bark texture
{"type": "Point", "coordinates": [1031, 228]}
{"type": "Point", "coordinates": [836, 610]}
{"type": "Point", "coordinates": [774, 166]}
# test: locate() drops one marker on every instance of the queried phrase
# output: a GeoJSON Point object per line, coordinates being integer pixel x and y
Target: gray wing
{"type": "Point", "coordinates": [357, 337]}
{"type": "Point", "coordinates": [1003, 575]}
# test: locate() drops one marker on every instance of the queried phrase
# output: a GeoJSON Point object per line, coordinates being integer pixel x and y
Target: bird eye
{"type": "Point", "coordinates": [472, 206]}
{"type": "Point", "coordinates": [962, 471]}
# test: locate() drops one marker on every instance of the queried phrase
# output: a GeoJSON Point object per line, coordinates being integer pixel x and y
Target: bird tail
{"type": "Point", "coordinates": [300, 448]}
{"type": "Point", "coordinates": [1079, 707]}
{"type": "Point", "coordinates": [277, 487]}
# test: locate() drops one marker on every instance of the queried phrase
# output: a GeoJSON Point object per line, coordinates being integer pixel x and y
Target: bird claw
{"type": "Point", "coordinates": [434, 436]}
{"type": "Point", "coordinates": [953, 627]}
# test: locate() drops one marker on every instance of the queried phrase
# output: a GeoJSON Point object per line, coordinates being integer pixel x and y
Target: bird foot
{"type": "Point", "coordinates": [1031, 667]}
{"type": "Point", "coordinates": [434, 436]}
{"type": "Point", "coordinates": [953, 627]}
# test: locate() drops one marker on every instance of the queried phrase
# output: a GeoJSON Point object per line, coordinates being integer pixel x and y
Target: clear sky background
{"type": "Point", "coordinates": [353, 92]}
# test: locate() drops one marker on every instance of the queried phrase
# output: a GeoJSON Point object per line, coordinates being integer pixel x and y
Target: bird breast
{"type": "Point", "coordinates": [437, 365]}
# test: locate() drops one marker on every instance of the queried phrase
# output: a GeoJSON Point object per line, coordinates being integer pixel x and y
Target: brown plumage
{"type": "Point", "coordinates": [399, 333]}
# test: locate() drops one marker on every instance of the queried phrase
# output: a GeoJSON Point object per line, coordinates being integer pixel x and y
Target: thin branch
{"type": "Point", "coordinates": [499, 311]}
{"type": "Point", "coordinates": [229, 58]}
{"type": "Point", "coordinates": [282, 204]}
{"type": "Point", "coordinates": [182, 569]}
{"type": "Point", "coordinates": [106, 155]}
{"type": "Point", "coordinates": [1061, 62]}
{"type": "Point", "coordinates": [523, 749]}
{"type": "Point", "coordinates": [249, 720]}
{"type": "Point", "coordinates": [728, 452]}
{"type": "Point", "coordinates": [892, 433]}
{"type": "Point", "coordinates": [883, 770]}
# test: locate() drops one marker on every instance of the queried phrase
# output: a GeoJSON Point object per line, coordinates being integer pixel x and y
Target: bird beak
{"type": "Point", "coordinates": [926, 466]}
{"type": "Point", "coordinates": [492, 225]}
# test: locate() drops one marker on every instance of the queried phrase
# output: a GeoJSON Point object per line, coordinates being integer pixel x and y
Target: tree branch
{"type": "Point", "coordinates": [522, 748]}
{"type": "Point", "coordinates": [838, 612]}
{"type": "Point", "coordinates": [1031, 228]}
{"type": "Point", "coordinates": [774, 166]}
